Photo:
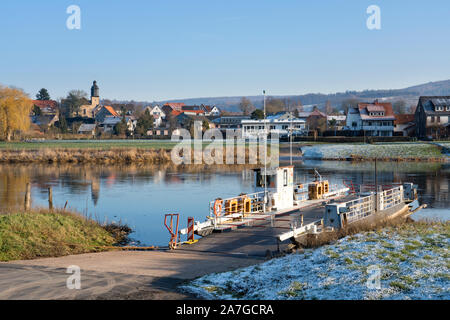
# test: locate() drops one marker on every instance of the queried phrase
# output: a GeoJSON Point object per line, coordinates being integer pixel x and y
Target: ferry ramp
{"type": "Point", "coordinates": [256, 236]}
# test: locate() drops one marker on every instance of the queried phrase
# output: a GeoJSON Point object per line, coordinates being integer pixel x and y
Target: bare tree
{"type": "Point", "coordinates": [399, 107]}
{"type": "Point", "coordinates": [246, 106]}
{"type": "Point", "coordinates": [274, 105]}
{"type": "Point", "coordinates": [349, 103]}
{"type": "Point", "coordinates": [328, 107]}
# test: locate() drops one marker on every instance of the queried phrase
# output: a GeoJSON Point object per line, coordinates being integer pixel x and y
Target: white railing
{"type": "Point", "coordinates": [301, 192]}
{"type": "Point", "coordinates": [360, 208]}
{"type": "Point", "coordinates": [365, 206]}
{"type": "Point", "coordinates": [392, 197]}
{"type": "Point", "coordinates": [237, 205]}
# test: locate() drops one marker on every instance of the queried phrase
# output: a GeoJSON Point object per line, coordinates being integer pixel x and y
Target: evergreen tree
{"type": "Point", "coordinates": [121, 127]}
{"type": "Point", "coordinates": [257, 114]}
{"type": "Point", "coordinates": [43, 95]}
{"type": "Point", "coordinates": [144, 123]}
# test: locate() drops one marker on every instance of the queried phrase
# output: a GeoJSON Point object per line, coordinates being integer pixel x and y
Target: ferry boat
{"type": "Point", "coordinates": [312, 207]}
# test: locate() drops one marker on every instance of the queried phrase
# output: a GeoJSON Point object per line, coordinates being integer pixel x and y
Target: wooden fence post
{"type": "Point", "coordinates": [50, 198]}
{"type": "Point", "coordinates": [27, 203]}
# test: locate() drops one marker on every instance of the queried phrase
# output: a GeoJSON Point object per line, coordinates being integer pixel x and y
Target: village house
{"type": "Point", "coordinates": [432, 117]}
{"type": "Point", "coordinates": [211, 111]}
{"type": "Point", "coordinates": [184, 120]}
{"type": "Point", "coordinates": [87, 128]}
{"type": "Point", "coordinates": [109, 122]}
{"type": "Point", "coordinates": [47, 107]}
{"type": "Point", "coordinates": [45, 120]}
{"type": "Point", "coordinates": [229, 122]}
{"type": "Point", "coordinates": [339, 120]}
{"type": "Point", "coordinates": [404, 125]}
{"type": "Point", "coordinates": [158, 115]}
{"type": "Point", "coordinates": [192, 110]}
{"type": "Point", "coordinates": [106, 112]}
{"type": "Point", "coordinates": [46, 115]}
{"type": "Point", "coordinates": [174, 105]}
{"type": "Point", "coordinates": [155, 111]}
{"type": "Point", "coordinates": [371, 119]}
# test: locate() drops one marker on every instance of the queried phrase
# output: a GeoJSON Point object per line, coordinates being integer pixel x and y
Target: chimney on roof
{"type": "Point", "coordinates": [376, 101]}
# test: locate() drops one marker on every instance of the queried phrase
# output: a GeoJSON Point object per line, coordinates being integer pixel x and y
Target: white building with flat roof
{"type": "Point", "coordinates": [252, 129]}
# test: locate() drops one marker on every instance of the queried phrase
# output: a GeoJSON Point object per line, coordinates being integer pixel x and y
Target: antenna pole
{"type": "Point", "coordinates": [265, 153]}
{"type": "Point", "coordinates": [376, 186]}
{"type": "Point", "coordinates": [291, 132]}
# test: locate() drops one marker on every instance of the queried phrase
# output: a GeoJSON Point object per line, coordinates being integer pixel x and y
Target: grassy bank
{"type": "Point", "coordinates": [412, 261]}
{"type": "Point", "coordinates": [50, 234]}
{"type": "Point", "coordinates": [85, 155]}
{"type": "Point", "coordinates": [382, 151]}
{"type": "Point", "coordinates": [100, 152]}
{"type": "Point", "coordinates": [88, 144]}
{"type": "Point", "coordinates": [159, 152]}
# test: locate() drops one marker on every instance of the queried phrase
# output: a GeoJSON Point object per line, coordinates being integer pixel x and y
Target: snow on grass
{"type": "Point", "coordinates": [413, 260]}
{"type": "Point", "coordinates": [392, 150]}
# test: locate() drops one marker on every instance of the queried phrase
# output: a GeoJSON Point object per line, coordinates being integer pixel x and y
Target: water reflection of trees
{"type": "Point", "coordinates": [12, 186]}
{"type": "Point", "coordinates": [85, 179]}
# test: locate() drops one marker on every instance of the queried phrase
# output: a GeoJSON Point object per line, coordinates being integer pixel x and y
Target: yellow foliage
{"type": "Point", "coordinates": [15, 108]}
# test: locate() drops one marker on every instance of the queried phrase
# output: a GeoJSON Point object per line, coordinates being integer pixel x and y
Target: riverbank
{"type": "Point", "coordinates": [42, 233]}
{"type": "Point", "coordinates": [412, 260]}
{"type": "Point", "coordinates": [85, 155]}
{"type": "Point", "coordinates": [159, 152]}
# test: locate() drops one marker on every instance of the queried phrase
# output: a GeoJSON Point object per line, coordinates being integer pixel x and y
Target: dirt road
{"type": "Point", "coordinates": [113, 275]}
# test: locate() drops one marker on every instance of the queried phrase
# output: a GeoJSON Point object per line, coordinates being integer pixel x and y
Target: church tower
{"type": "Point", "coordinates": [95, 97]}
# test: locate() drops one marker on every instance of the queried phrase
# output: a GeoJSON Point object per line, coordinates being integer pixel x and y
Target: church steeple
{"type": "Point", "coordinates": [94, 90]}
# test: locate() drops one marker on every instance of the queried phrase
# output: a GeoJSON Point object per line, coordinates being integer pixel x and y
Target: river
{"type": "Point", "coordinates": [140, 195]}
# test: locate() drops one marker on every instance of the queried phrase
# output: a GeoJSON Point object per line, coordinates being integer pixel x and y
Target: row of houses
{"type": "Point", "coordinates": [430, 120]}
{"type": "Point", "coordinates": [96, 117]}
{"type": "Point", "coordinates": [377, 119]}
{"type": "Point", "coordinates": [372, 119]}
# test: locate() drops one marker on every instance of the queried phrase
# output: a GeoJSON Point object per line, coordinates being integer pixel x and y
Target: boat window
{"type": "Point", "coordinates": [260, 180]}
{"type": "Point", "coordinates": [285, 178]}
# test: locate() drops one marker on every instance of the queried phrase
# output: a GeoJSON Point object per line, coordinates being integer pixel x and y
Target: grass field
{"type": "Point", "coordinates": [49, 234]}
{"type": "Point", "coordinates": [411, 261]}
{"type": "Point", "coordinates": [419, 151]}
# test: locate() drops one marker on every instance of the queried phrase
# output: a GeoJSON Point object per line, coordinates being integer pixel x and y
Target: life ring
{"type": "Point", "coordinates": [218, 207]}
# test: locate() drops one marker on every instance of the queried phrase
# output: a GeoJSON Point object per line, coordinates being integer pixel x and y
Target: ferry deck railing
{"type": "Point", "coordinates": [236, 205]}
{"type": "Point", "coordinates": [360, 208]}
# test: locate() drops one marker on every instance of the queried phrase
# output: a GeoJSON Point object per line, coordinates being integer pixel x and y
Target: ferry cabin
{"type": "Point", "coordinates": [279, 185]}
{"type": "Point", "coordinates": [252, 129]}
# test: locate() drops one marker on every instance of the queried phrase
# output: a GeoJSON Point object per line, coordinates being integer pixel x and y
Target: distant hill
{"type": "Point", "coordinates": [410, 95]}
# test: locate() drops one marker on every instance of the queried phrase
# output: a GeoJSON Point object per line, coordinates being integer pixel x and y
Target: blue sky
{"type": "Point", "coordinates": [155, 50]}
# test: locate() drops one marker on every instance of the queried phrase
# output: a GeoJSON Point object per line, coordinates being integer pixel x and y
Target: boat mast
{"type": "Point", "coordinates": [376, 186]}
{"type": "Point", "coordinates": [291, 131]}
{"type": "Point", "coordinates": [265, 153]}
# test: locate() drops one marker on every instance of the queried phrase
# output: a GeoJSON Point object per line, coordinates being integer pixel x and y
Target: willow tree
{"type": "Point", "coordinates": [15, 108]}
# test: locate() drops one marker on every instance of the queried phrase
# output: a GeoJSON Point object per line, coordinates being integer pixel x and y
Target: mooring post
{"type": "Point", "coordinates": [50, 198]}
{"type": "Point", "coordinates": [301, 220]}
{"type": "Point", "coordinates": [27, 203]}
